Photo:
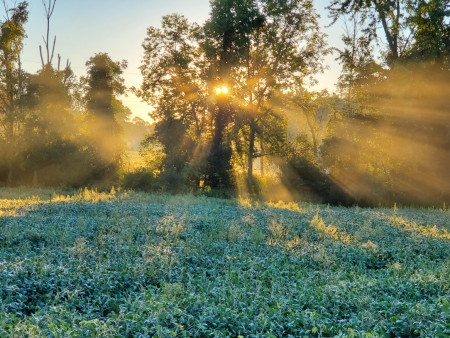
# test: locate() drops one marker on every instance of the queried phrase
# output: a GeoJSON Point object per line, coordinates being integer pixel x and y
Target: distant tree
{"type": "Point", "coordinates": [314, 113]}
{"type": "Point", "coordinates": [135, 130]}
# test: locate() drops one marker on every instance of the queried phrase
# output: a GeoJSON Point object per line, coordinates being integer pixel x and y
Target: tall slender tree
{"type": "Point", "coordinates": [227, 37]}
{"type": "Point", "coordinates": [104, 83]}
{"type": "Point", "coordinates": [12, 33]}
{"type": "Point", "coordinates": [49, 7]}
{"type": "Point", "coordinates": [285, 52]}
{"type": "Point", "coordinates": [174, 84]}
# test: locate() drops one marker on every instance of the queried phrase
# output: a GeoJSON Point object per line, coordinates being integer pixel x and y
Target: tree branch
{"type": "Point", "coordinates": [53, 49]}
{"type": "Point", "coordinates": [42, 58]}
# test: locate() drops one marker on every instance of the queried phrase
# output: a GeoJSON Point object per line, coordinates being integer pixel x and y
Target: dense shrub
{"type": "Point", "coordinates": [141, 180]}
{"type": "Point", "coordinates": [312, 184]}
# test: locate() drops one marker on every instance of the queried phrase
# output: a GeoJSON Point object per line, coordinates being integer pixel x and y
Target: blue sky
{"type": "Point", "coordinates": [118, 27]}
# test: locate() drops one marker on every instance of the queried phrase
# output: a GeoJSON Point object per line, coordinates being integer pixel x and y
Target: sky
{"type": "Point", "coordinates": [117, 27]}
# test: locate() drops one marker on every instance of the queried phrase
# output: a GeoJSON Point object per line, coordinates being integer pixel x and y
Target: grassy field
{"type": "Point", "coordinates": [129, 264]}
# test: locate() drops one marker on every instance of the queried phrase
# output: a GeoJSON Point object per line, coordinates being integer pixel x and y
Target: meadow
{"type": "Point", "coordinates": [91, 264]}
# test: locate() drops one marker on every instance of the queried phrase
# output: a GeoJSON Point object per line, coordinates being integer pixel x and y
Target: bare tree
{"type": "Point", "coordinates": [49, 7]}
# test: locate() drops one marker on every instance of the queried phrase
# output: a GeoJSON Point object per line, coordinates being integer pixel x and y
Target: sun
{"type": "Point", "coordinates": [222, 90]}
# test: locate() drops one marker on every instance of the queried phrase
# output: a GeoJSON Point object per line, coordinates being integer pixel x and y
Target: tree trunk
{"type": "Point", "coordinates": [261, 159]}
{"type": "Point", "coordinates": [251, 151]}
{"type": "Point", "coordinates": [10, 173]}
{"type": "Point", "coordinates": [219, 126]}
{"type": "Point", "coordinates": [391, 37]}
{"type": "Point", "coordinates": [10, 150]}
{"type": "Point", "coordinates": [313, 135]}
{"type": "Point", "coordinates": [219, 159]}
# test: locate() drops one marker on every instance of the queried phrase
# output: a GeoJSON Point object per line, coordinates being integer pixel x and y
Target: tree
{"type": "Point", "coordinates": [430, 30]}
{"type": "Point", "coordinates": [50, 131]}
{"type": "Point", "coordinates": [285, 52]}
{"type": "Point", "coordinates": [171, 72]}
{"type": "Point", "coordinates": [174, 84]}
{"type": "Point", "coordinates": [49, 7]}
{"type": "Point", "coordinates": [227, 37]}
{"type": "Point", "coordinates": [410, 27]}
{"type": "Point", "coordinates": [11, 80]}
{"type": "Point", "coordinates": [104, 83]}
{"type": "Point", "coordinates": [359, 67]}
{"type": "Point", "coordinates": [390, 13]}
{"type": "Point", "coordinates": [394, 129]}
{"type": "Point", "coordinates": [253, 48]}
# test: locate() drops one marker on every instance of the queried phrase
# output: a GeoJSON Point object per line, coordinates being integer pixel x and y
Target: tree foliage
{"type": "Point", "coordinates": [257, 50]}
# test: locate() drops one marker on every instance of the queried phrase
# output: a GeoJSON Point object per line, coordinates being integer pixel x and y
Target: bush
{"type": "Point", "coordinates": [305, 178]}
{"type": "Point", "coordinates": [142, 180]}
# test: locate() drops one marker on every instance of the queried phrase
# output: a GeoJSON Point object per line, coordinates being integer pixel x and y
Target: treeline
{"type": "Point", "coordinates": [55, 129]}
{"type": "Point", "coordinates": [231, 96]}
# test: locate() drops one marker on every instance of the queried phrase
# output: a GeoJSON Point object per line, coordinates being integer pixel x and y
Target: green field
{"type": "Point", "coordinates": [129, 264]}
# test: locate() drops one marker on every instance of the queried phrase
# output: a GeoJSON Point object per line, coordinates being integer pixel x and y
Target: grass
{"type": "Point", "coordinates": [129, 264]}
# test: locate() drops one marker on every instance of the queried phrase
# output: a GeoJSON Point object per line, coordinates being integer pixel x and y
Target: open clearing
{"type": "Point", "coordinates": [129, 264]}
